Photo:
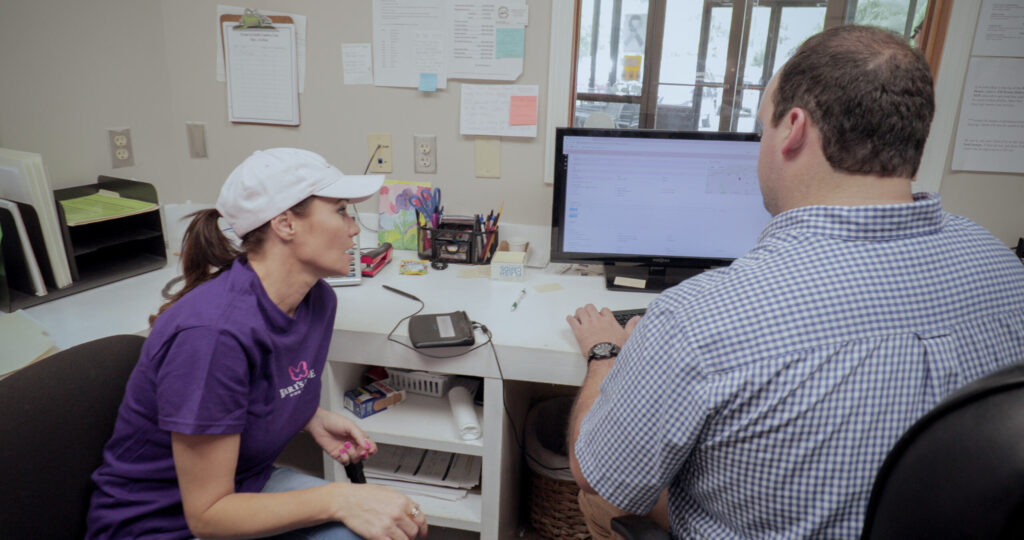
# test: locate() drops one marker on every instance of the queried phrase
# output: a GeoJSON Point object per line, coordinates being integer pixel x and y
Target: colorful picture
{"type": "Point", "coordinates": [397, 216]}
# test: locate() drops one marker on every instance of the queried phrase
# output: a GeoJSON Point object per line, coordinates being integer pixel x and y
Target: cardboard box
{"type": "Point", "coordinates": [372, 398]}
{"type": "Point", "coordinates": [508, 265]}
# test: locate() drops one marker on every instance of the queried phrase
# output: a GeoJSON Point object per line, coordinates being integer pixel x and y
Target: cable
{"type": "Point", "coordinates": [355, 211]}
{"type": "Point", "coordinates": [504, 404]}
{"type": "Point", "coordinates": [501, 374]}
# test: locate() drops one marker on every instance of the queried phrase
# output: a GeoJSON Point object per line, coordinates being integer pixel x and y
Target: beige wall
{"type": "Point", "coordinates": [71, 69]}
{"type": "Point", "coordinates": [83, 67]}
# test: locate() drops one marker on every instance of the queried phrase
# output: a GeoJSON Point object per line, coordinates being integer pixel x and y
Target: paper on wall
{"type": "Point", "coordinates": [1000, 30]}
{"type": "Point", "coordinates": [486, 39]}
{"type": "Point", "coordinates": [357, 63]}
{"type": "Point", "coordinates": [300, 41]}
{"type": "Point", "coordinates": [408, 40]}
{"type": "Point", "coordinates": [261, 75]}
{"type": "Point", "coordinates": [990, 133]}
{"type": "Point", "coordinates": [487, 109]}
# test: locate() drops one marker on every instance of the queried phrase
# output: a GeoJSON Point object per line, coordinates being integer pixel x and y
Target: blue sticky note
{"type": "Point", "coordinates": [428, 82]}
{"type": "Point", "coordinates": [509, 42]}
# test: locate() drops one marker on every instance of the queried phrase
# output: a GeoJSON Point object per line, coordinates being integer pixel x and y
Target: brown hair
{"type": "Point", "coordinates": [206, 252]}
{"type": "Point", "coordinates": [869, 93]}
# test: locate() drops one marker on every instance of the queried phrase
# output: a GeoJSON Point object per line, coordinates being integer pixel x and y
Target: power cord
{"type": "Point", "coordinates": [355, 210]}
{"type": "Point", "coordinates": [497, 362]}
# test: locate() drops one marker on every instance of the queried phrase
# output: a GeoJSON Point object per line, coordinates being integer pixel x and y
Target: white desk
{"type": "Point", "coordinates": [534, 344]}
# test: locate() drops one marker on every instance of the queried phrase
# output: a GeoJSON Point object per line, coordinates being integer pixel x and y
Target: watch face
{"type": "Point", "coordinates": [603, 350]}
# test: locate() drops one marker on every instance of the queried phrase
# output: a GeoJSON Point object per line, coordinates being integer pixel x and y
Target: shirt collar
{"type": "Point", "coordinates": [863, 223]}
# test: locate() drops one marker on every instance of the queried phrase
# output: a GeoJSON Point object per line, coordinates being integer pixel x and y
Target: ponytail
{"type": "Point", "coordinates": [205, 253]}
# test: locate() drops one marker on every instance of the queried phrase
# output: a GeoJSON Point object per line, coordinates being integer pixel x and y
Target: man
{"type": "Point", "coordinates": [759, 400]}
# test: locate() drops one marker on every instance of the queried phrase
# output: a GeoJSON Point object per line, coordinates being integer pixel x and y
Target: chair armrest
{"type": "Point", "coordinates": [639, 528]}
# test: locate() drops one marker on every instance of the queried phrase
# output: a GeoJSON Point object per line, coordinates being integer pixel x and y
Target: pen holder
{"type": "Point", "coordinates": [456, 244]}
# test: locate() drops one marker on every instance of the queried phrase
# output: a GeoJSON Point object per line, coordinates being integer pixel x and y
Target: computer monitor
{"type": "Point", "coordinates": [656, 207]}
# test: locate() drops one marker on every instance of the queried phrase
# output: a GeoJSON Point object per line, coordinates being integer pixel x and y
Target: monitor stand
{"type": "Point", "coordinates": [640, 277]}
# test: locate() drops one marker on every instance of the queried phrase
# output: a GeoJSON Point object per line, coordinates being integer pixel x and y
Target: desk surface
{"type": "Point", "coordinates": [534, 342]}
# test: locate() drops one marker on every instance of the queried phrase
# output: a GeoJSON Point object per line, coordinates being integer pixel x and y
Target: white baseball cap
{"type": "Point", "coordinates": [271, 181]}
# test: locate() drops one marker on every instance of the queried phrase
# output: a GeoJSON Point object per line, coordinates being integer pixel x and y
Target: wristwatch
{"type": "Point", "coordinates": [602, 351]}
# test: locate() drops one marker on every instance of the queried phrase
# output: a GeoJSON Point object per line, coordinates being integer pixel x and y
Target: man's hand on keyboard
{"type": "Point", "coordinates": [591, 327]}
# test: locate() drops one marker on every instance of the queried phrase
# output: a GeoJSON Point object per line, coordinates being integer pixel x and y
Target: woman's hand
{"type": "Point", "coordinates": [378, 512]}
{"type": "Point", "coordinates": [340, 437]}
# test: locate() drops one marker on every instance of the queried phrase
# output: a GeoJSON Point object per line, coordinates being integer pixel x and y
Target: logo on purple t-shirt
{"type": "Point", "coordinates": [301, 374]}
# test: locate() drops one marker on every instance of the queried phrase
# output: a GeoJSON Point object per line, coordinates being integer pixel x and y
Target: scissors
{"type": "Point", "coordinates": [427, 202]}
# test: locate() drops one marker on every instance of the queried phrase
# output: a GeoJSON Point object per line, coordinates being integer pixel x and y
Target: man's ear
{"type": "Point", "coordinates": [796, 125]}
{"type": "Point", "coordinates": [283, 226]}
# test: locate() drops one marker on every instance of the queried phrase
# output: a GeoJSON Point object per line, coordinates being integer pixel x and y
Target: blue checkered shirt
{"type": "Point", "coordinates": [765, 395]}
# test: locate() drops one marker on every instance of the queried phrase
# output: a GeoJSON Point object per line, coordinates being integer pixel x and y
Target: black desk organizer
{"type": "Point", "coordinates": [456, 241]}
{"type": "Point", "coordinates": [98, 253]}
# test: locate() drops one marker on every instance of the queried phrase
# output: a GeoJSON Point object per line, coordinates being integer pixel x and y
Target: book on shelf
{"type": "Point", "coordinates": [23, 180]}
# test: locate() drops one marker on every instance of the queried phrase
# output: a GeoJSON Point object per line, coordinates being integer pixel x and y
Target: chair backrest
{"type": "Point", "coordinates": [958, 472]}
{"type": "Point", "coordinates": [56, 415]}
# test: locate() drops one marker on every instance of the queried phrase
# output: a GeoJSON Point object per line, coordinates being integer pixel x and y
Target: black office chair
{"type": "Point", "coordinates": [958, 472]}
{"type": "Point", "coordinates": [55, 417]}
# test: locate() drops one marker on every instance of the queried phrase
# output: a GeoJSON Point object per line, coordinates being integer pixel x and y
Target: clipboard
{"type": "Point", "coordinates": [253, 20]}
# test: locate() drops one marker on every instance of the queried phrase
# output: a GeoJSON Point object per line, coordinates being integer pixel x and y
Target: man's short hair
{"type": "Point", "coordinates": [869, 93]}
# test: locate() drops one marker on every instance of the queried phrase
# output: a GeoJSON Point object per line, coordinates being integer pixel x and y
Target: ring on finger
{"type": "Point", "coordinates": [415, 512]}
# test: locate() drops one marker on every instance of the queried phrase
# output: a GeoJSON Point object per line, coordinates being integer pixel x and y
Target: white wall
{"type": "Point", "coordinates": [71, 69]}
{"type": "Point", "coordinates": [80, 68]}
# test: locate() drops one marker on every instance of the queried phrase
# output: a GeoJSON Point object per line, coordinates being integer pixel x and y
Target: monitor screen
{"type": "Point", "coordinates": [659, 205]}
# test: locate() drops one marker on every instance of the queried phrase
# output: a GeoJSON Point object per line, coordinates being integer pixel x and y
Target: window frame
{"type": "Point", "coordinates": [733, 85]}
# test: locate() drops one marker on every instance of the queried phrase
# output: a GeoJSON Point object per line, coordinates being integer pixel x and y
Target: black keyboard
{"type": "Point", "coordinates": [624, 315]}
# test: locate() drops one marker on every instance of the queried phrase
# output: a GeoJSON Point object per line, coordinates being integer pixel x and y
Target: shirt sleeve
{"type": "Point", "coordinates": [203, 384]}
{"type": "Point", "coordinates": [641, 428]}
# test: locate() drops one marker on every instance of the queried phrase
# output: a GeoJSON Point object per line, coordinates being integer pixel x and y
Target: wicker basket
{"type": "Point", "coordinates": [554, 509]}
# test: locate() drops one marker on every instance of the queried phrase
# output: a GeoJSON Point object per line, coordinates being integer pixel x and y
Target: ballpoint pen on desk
{"type": "Point", "coordinates": [522, 294]}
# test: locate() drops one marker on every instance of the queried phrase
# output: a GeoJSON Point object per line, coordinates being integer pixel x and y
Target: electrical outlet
{"type": "Point", "coordinates": [380, 152]}
{"type": "Point", "coordinates": [424, 157]}
{"type": "Point", "coordinates": [121, 154]}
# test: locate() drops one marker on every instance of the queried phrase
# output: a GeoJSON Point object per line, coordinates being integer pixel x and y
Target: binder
{"type": "Point", "coordinates": [21, 267]}
{"type": "Point", "coordinates": [23, 180]}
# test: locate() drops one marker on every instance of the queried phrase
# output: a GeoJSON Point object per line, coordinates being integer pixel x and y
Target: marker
{"type": "Point", "coordinates": [522, 294]}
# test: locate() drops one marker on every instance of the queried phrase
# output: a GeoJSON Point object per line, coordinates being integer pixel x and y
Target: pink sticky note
{"type": "Point", "coordinates": [522, 111]}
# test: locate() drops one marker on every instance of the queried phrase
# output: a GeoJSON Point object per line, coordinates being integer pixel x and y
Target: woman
{"type": "Point", "coordinates": [231, 372]}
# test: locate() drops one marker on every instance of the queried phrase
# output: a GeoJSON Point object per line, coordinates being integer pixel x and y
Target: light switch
{"type": "Point", "coordinates": [488, 157]}
{"type": "Point", "coordinates": [196, 139]}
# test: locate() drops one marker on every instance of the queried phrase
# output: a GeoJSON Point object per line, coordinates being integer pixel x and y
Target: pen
{"type": "Point", "coordinates": [522, 294]}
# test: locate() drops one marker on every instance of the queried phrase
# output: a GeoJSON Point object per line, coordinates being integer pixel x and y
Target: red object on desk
{"type": "Point", "coordinates": [374, 260]}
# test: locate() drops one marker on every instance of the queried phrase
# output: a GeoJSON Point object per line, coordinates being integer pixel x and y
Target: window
{"type": "Point", "coordinates": [701, 65]}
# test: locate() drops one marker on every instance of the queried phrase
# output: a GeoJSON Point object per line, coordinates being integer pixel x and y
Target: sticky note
{"type": "Point", "coordinates": [508, 42]}
{"type": "Point", "coordinates": [522, 111]}
{"type": "Point", "coordinates": [548, 287]}
{"type": "Point", "coordinates": [428, 82]}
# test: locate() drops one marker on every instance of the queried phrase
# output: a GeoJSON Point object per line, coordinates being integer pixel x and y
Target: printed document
{"type": "Point", "coordinates": [262, 77]}
{"type": "Point", "coordinates": [990, 134]}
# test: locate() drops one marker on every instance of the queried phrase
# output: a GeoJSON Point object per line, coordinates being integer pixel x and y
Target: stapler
{"type": "Point", "coordinates": [376, 259]}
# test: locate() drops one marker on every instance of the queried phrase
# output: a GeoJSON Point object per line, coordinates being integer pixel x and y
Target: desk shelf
{"type": "Point", "coordinates": [426, 422]}
{"type": "Point", "coordinates": [420, 422]}
{"type": "Point", "coordinates": [102, 252]}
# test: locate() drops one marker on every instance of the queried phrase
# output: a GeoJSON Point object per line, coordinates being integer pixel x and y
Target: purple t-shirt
{"type": "Point", "coordinates": [224, 359]}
